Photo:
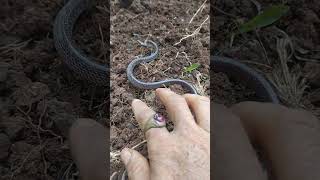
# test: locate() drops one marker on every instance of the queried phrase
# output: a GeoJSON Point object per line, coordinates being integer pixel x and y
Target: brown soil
{"type": "Point", "coordinates": [39, 97]}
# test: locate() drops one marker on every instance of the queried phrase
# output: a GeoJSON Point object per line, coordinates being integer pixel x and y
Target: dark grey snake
{"type": "Point", "coordinates": [76, 60]}
{"type": "Point", "coordinates": [153, 85]}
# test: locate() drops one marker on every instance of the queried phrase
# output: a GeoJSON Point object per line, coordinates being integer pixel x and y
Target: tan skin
{"type": "Point", "coordinates": [169, 153]}
{"type": "Point", "coordinates": [289, 138]}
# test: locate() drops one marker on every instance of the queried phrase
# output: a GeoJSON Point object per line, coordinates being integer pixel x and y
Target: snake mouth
{"type": "Point", "coordinates": [246, 76]}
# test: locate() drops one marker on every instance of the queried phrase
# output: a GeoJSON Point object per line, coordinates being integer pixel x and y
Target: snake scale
{"type": "Point", "coordinates": [73, 57]}
{"type": "Point", "coordinates": [87, 69]}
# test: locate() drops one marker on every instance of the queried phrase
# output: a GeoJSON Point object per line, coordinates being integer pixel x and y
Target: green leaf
{"type": "Point", "coordinates": [192, 67]}
{"type": "Point", "coordinates": [267, 17]}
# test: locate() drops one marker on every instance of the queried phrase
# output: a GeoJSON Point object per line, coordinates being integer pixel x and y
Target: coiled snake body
{"type": "Point", "coordinates": [153, 85]}
{"type": "Point", "coordinates": [79, 63]}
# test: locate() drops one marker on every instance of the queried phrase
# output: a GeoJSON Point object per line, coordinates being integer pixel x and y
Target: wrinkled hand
{"type": "Point", "coordinates": [289, 140]}
{"type": "Point", "coordinates": [183, 153]}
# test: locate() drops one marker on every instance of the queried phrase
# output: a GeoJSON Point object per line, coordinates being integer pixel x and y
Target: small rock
{"type": "Point", "coordinates": [4, 146]}
{"type": "Point", "coordinates": [4, 68]}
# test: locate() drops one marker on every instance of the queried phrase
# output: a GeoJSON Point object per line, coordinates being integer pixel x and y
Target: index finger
{"type": "Point", "coordinates": [143, 113]}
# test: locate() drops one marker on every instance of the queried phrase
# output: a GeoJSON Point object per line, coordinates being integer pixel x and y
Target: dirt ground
{"type": "Point", "coordinates": [165, 22]}
{"type": "Point", "coordinates": [39, 98]}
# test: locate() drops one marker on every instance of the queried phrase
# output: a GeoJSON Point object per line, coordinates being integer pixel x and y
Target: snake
{"type": "Point", "coordinates": [234, 69]}
{"type": "Point", "coordinates": [153, 85]}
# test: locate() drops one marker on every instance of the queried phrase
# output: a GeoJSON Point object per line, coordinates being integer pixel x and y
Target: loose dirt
{"type": "Point", "coordinates": [40, 98]}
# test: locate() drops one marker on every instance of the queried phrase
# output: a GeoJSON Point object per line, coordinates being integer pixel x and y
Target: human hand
{"type": "Point", "coordinates": [288, 138]}
{"type": "Point", "coordinates": [183, 153]}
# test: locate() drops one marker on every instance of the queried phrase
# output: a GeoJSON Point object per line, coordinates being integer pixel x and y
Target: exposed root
{"type": "Point", "coordinates": [29, 121]}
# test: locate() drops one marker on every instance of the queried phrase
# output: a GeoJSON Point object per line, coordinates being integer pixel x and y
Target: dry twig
{"type": "Point", "coordinates": [194, 32]}
{"type": "Point", "coordinates": [200, 9]}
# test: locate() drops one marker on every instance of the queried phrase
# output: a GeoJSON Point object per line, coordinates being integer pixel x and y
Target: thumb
{"type": "Point", "coordinates": [137, 166]}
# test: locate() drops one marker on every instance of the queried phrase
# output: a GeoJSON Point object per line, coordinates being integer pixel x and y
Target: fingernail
{"type": "Point", "coordinates": [125, 155]}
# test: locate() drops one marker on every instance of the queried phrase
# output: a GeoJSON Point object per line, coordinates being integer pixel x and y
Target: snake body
{"type": "Point", "coordinates": [84, 67]}
{"type": "Point", "coordinates": [232, 68]}
{"type": "Point", "coordinates": [153, 85]}
{"type": "Point", "coordinates": [77, 61]}
{"type": "Point", "coordinates": [247, 76]}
